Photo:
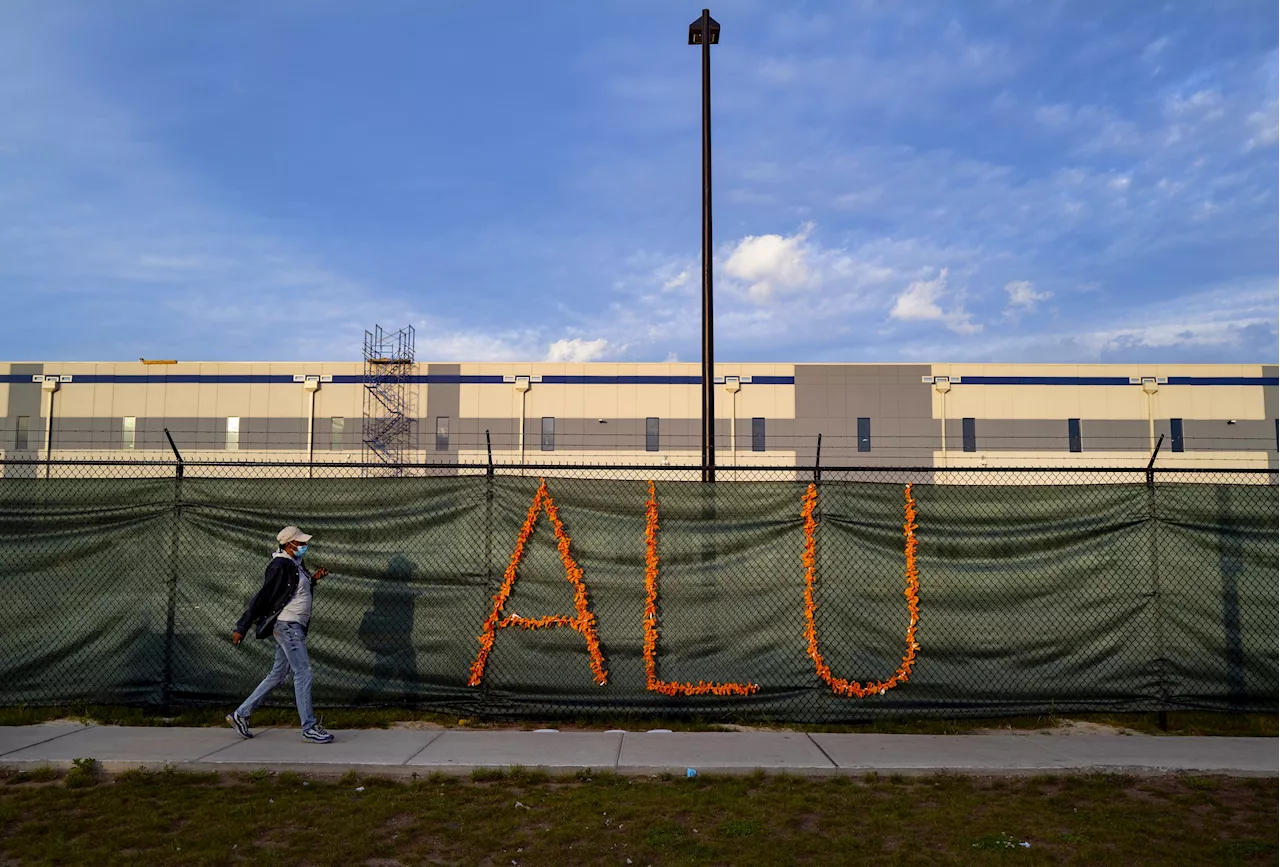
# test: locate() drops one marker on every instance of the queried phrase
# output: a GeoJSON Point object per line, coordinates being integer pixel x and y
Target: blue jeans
{"type": "Point", "coordinates": [291, 657]}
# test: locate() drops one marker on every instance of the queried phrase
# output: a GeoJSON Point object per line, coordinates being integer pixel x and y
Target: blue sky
{"type": "Point", "coordinates": [1001, 181]}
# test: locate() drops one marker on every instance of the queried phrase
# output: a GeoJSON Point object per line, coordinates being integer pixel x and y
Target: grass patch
{"type": "Point", "coordinates": [739, 828]}
{"type": "Point", "coordinates": [1249, 849]}
{"type": "Point", "coordinates": [83, 773]}
{"type": "Point", "coordinates": [43, 774]}
{"type": "Point", "coordinates": [165, 817]}
{"type": "Point", "coordinates": [166, 775]}
{"type": "Point", "coordinates": [666, 835]}
{"type": "Point", "coordinates": [527, 776]}
{"type": "Point", "coordinates": [997, 841]}
{"type": "Point", "coordinates": [1202, 784]}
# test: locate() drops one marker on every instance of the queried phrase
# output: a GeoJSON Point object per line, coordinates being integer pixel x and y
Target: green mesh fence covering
{"type": "Point", "coordinates": [1037, 593]}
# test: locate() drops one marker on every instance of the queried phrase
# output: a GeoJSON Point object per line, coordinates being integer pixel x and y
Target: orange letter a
{"type": "Point", "coordinates": [584, 622]}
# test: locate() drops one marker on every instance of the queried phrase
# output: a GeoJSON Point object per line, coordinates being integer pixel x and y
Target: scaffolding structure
{"type": "Point", "coordinates": [389, 397]}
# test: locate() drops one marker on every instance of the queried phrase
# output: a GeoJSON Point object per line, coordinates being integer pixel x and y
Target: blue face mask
{"type": "Point", "coordinates": [301, 549]}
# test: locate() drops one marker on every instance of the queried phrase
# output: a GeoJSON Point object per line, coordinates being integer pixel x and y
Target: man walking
{"type": "Point", "coordinates": [282, 609]}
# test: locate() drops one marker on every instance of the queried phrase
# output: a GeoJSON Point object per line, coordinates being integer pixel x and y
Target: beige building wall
{"type": "Point", "coordinates": [1229, 425]}
{"type": "Point", "coordinates": [1219, 412]}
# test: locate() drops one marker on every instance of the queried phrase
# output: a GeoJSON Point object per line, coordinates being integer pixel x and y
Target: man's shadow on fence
{"type": "Point", "coordinates": [387, 631]}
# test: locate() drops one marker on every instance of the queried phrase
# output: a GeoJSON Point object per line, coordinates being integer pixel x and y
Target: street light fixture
{"type": "Point", "coordinates": [704, 23]}
{"type": "Point", "coordinates": [705, 31]}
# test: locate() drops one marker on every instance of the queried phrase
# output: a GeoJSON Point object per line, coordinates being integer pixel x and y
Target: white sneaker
{"type": "Point", "coordinates": [317, 734]}
{"type": "Point", "coordinates": [240, 724]}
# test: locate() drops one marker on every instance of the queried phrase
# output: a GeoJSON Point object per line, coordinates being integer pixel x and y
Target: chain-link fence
{"type": "Point", "coordinates": [769, 594]}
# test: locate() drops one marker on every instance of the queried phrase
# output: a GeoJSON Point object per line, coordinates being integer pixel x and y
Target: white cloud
{"type": "Point", "coordinates": [813, 281]}
{"type": "Point", "coordinates": [1264, 126]}
{"type": "Point", "coordinates": [1095, 128]}
{"type": "Point", "coordinates": [961, 322]}
{"type": "Point", "coordinates": [577, 350]}
{"type": "Point", "coordinates": [1200, 102]}
{"type": "Point", "coordinates": [440, 344]}
{"type": "Point", "coordinates": [920, 299]}
{"type": "Point", "coordinates": [677, 282]}
{"type": "Point", "coordinates": [1214, 318]}
{"type": "Point", "coordinates": [1220, 323]}
{"type": "Point", "coordinates": [1057, 115]}
{"type": "Point", "coordinates": [772, 263]}
{"type": "Point", "coordinates": [1154, 48]}
{"type": "Point", "coordinates": [833, 76]}
{"type": "Point", "coordinates": [1023, 295]}
{"type": "Point", "coordinates": [844, 290]}
{"type": "Point", "coordinates": [919, 302]}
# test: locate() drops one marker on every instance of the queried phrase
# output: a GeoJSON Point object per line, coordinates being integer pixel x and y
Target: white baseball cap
{"type": "Point", "coordinates": [291, 534]}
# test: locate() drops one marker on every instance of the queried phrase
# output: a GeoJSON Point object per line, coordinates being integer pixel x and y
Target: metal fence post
{"type": "Point", "coordinates": [171, 616]}
{"type": "Point", "coordinates": [1162, 715]}
{"type": "Point", "coordinates": [488, 534]}
{"type": "Point", "coordinates": [488, 514]}
{"type": "Point", "coordinates": [817, 462]}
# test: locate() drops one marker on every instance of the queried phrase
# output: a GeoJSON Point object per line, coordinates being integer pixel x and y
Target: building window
{"type": "Point", "coordinates": [969, 432]}
{"type": "Point", "coordinates": [442, 433]}
{"type": "Point", "coordinates": [864, 434]}
{"type": "Point", "coordinates": [651, 435]}
{"type": "Point", "coordinates": [548, 433]}
{"type": "Point", "coordinates": [23, 434]}
{"type": "Point", "coordinates": [128, 431]}
{"type": "Point", "coordinates": [1073, 435]}
{"type": "Point", "coordinates": [337, 426]}
{"type": "Point", "coordinates": [757, 435]}
{"type": "Point", "coordinates": [233, 433]}
{"type": "Point", "coordinates": [1175, 429]}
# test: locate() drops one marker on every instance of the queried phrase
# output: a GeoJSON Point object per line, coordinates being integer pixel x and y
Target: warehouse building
{"type": "Point", "coordinates": [920, 415]}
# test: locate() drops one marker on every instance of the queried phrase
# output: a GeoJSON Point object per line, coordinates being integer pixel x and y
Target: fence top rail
{"type": "Point", "coordinates": [662, 468]}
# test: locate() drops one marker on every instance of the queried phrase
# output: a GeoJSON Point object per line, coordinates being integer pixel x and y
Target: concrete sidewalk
{"type": "Point", "coordinates": [402, 752]}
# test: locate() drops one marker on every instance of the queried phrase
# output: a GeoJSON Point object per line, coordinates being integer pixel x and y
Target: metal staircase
{"type": "Point", "coordinates": [389, 398]}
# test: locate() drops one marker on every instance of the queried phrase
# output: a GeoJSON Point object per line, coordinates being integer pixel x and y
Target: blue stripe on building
{"type": "Point", "coordinates": [1114, 380]}
{"type": "Point", "coordinates": [179, 378]}
{"type": "Point", "coordinates": [1043, 380]}
{"type": "Point", "coordinates": [475, 379]}
{"type": "Point", "coordinates": [621, 380]}
{"type": "Point", "coordinates": [1224, 380]}
{"type": "Point", "coordinates": [427, 379]}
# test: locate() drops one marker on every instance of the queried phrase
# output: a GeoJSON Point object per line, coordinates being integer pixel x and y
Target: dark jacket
{"type": "Point", "coordinates": [278, 587]}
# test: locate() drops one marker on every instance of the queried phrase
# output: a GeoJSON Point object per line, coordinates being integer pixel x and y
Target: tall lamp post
{"type": "Point", "coordinates": [705, 31]}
